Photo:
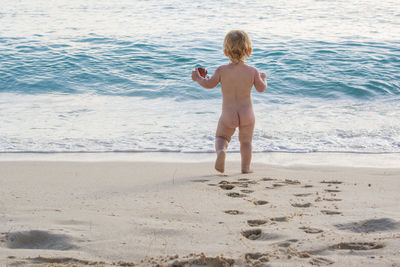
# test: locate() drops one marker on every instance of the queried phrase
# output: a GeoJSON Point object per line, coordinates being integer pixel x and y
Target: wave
{"type": "Point", "coordinates": [107, 66]}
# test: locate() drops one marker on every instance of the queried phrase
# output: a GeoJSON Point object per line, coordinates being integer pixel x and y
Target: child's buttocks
{"type": "Point", "coordinates": [235, 116]}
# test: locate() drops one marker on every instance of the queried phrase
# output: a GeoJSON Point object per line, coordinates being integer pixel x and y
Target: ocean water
{"type": "Point", "coordinates": [91, 76]}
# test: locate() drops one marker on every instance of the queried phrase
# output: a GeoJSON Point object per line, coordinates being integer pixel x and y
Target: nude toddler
{"type": "Point", "coordinates": [237, 80]}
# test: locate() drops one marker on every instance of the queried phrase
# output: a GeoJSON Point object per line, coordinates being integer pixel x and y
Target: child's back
{"type": "Point", "coordinates": [236, 83]}
{"type": "Point", "coordinates": [237, 80]}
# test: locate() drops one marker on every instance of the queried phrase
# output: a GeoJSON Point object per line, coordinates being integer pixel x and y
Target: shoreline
{"type": "Point", "coordinates": [339, 159]}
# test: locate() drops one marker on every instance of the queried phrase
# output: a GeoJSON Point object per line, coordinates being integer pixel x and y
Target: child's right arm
{"type": "Point", "coordinates": [260, 81]}
{"type": "Point", "coordinates": [206, 82]}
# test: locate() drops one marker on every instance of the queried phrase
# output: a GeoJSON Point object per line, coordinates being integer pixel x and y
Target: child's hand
{"type": "Point", "coordinates": [260, 81]}
{"type": "Point", "coordinates": [195, 75]}
{"type": "Point", "coordinates": [203, 72]}
{"type": "Point", "coordinates": [198, 73]}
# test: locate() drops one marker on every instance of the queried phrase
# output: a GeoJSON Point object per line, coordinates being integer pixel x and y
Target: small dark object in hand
{"type": "Point", "coordinates": [203, 72]}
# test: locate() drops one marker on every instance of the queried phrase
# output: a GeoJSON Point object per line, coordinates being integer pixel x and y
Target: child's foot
{"type": "Point", "coordinates": [247, 170]}
{"type": "Point", "coordinates": [220, 162]}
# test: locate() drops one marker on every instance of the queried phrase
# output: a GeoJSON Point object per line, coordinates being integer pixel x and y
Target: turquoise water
{"type": "Point", "coordinates": [102, 76]}
{"type": "Point", "coordinates": [108, 66]}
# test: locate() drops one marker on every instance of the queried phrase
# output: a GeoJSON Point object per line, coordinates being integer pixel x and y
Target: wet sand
{"type": "Point", "coordinates": [148, 213]}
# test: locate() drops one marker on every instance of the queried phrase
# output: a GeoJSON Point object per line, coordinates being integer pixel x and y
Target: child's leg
{"type": "Point", "coordinates": [245, 138]}
{"type": "Point", "coordinates": [222, 139]}
{"type": "Point", "coordinates": [221, 144]}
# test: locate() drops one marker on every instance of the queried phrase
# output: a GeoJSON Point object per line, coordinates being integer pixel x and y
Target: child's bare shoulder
{"type": "Point", "coordinates": [221, 68]}
{"type": "Point", "coordinates": [251, 68]}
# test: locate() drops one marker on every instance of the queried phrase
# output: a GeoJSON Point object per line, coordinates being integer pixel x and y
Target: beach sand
{"type": "Point", "coordinates": [60, 213]}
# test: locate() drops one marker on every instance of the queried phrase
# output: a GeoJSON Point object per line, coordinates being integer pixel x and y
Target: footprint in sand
{"type": "Point", "coordinates": [36, 239]}
{"type": "Point", "coordinates": [371, 225]}
{"type": "Point", "coordinates": [310, 230]}
{"type": "Point", "coordinates": [330, 212]}
{"type": "Point", "coordinates": [319, 261]}
{"type": "Point", "coordinates": [243, 179]}
{"type": "Point", "coordinates": [247, 181]}
{"type": "Point", "coordinates": [256, 222]}
{"type": "Point", "coordinates": [302, 195]}
{"type": "Point", "coordinates": [331, 182]}
{"type": "Point", "coordinates": [224, 182]}
{"type": "Point", "coordinates": [332, 190]}
{"type": "Point", "coordinates": [278, 185]}
{"type": "Point", "coordinates": [332, 199]}
{"type": "Point", "coordinates": [291, 182]}
{"type": "Point", "coordinates": [287, 243]}
{"type": "Point", "coordinates": [280, 219]}
{"type": "Point", "coordinates": [247, 191]}
{"type": "Point", "coordinates": [233, 212]}
{"type": "Point", "coordinates": [234, 194]}
{"type": "Point", "coordinates": [257, 234]}
{"type": "Point", "coordinates": [301, 205]}
{"type": "Point", "coordinates": [284, 244]}
{"type": "Point", "coordinates": [227, 186]}
{"type": "Point", "coordinates": [358, 245]}
{"type": "Point", "coordinates": [257, 256]}
{"type": "Point", "coordinates": [241, 184]}
{"type": "Point", "coordinates": [267, 179]}
{"type": "Point", "coordinates": [252, 234]}
{"type": "Point", "coordinates": [260, 202]}
{"type": "Point", "coordinates": [307, 186]}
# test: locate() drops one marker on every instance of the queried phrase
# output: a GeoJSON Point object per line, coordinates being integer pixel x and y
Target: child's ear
{"type": "Point", "coordinates": [226, 53]}
{"type": "Point", "coordinates": [250, 50]}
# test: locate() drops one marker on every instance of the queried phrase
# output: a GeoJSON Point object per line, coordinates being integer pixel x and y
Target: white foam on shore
{"type": "Point", "coordinates": [93, 123]}
{"type": "Point", "coordinates": [388, 160]}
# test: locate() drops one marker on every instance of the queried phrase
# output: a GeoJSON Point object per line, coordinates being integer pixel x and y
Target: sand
{"type": "Point", "coordinates": [65, 213]}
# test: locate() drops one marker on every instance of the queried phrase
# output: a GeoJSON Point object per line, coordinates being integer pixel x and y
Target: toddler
{"type": "Point", "coordinates": [237, 80]}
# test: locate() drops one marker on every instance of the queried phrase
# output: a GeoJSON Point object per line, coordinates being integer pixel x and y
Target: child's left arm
{"type": "Point", "coordinates": [206, 82]}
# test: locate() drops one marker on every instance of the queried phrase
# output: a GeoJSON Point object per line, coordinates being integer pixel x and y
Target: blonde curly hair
{"type": "Point", "coordinates": [237, 45]}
